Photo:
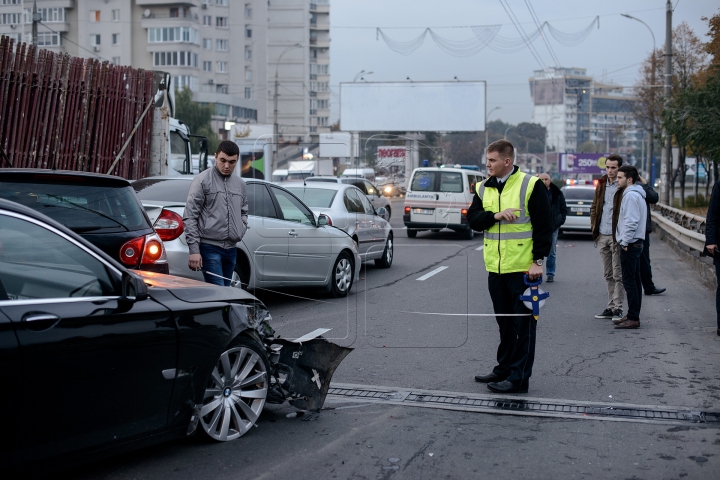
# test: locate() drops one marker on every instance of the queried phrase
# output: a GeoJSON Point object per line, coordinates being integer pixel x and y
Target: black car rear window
{"type": "Point", "coordinates": [81, 207]}
{"type": "Point", "coordinates": [574, 194]}
{"type": "Point", "coordinates": [162, 190]}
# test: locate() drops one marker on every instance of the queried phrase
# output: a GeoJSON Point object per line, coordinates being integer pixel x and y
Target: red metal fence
{"type": "Point", "coordinates": [72, 113]}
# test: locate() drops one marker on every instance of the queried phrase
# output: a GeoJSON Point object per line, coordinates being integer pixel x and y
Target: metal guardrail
{"type": "Point", "coordinates": [687, 228]}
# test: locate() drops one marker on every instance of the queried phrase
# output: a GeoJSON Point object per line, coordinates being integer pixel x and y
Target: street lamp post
{"type": "Point", "coordinates": [546, 137]}
{"type": "Point", "coordinates": [352, 135]}
{"type": "Point", "coordinates": [652, 117]}
{"type": "Point", "coordinates": [507, 130]}
{"type": "Point", "coordinates": [486, 125]}
{"type": "Point", "coordinates": [276, 138]}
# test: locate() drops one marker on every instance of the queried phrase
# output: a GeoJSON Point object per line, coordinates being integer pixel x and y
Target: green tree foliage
{"type": "Point", "coordinates": [467, 148]}
{"type": "Point", "coordinates": [197, 117]}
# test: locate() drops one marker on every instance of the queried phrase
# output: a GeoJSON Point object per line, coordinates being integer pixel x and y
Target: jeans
{"type": "Point", "coordinates": [717, 292]}
{"type": "Point", "coordinates": [550, 268]}
{"type": "Point", "coordinates": [630, 261]}
{"type": "Point", "coordinates": [645, 268]}
{"type": "Point", "coordinates": [219, 261]}
{"type": "Point", "coordinates": [516, 352]}
{"type": "Point", "coordinates": [610, 255]}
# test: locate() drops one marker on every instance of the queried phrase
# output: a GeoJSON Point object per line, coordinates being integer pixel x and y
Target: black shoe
{"type": "Point", "coordinates": [550, 278]}
{"type": "Point", "coordinates": [607, 313]}
{"type": "Point", "coordinates": [507, 386]}
{"type": "Point", "coordinates": [489, 378]}
{"type": "Point", "coordinates": [655, 291]}
{"type": "Point", "coordinates": [718, 332]}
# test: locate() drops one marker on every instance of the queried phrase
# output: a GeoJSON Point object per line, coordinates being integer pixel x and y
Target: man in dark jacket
{"type": "Point", "coordinates": [558, 208]}
{"type": "Point", "coordinates": [651, 198]}
{"type": "Point", "coordinates": [216, 216]}
{"type": "Point", "coordinates": [712, 240]}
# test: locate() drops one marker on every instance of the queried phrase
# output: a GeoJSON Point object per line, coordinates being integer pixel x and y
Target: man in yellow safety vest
{"type": "Point", "coordinates": [513, 210]}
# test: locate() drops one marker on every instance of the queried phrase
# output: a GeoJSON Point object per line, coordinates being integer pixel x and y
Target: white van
{"type": "Point", "coordinates": [366, 173]}
{"type": "Point", "coordinates": [439, 198]}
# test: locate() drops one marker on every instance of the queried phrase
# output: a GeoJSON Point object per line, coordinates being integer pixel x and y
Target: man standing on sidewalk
{"type": "Point", "coordinates": [601, 215]}
{"type": "Point", "coordinates": [630, 235]}
{"type": "Point", "coordinates": [216, 216]}
{"type": "Point", "coordinates": [558, 209]}
{"type": "Point", "coordinates": [712, 240]}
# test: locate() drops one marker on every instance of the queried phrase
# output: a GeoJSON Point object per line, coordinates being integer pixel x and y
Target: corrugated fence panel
{"type": "Point", "coordinates": [71, 113]}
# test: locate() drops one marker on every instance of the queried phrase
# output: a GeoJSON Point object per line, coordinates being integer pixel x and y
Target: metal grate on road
{"type": "Point", "coordinates": [518, 406]}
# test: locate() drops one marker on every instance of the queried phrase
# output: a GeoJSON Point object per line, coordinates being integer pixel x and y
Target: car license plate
{"type": "Point", "coordinates": [580, 209]}
{"type": "Point", "coordinates": [423, 211]}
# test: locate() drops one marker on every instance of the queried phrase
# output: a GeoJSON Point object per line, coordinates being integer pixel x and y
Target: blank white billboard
{"type": "Point", "coordinates": [412, 106]}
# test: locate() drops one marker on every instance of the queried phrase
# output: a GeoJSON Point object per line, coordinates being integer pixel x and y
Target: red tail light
{"type": "Point", "coordinates": [463, 212]}
{"type": "Point", "coordinates": [143, 251]}
{"type": "Point", "coordinates": [169, 225]}
{"type": "Point", "coordinates": [407, 210]}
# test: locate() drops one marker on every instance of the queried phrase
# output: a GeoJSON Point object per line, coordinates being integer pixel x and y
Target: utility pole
{"type": "Point", "coordinates": [668, 88]}
{"type": "Point", "coordinates": [36, 17]}
{"type": "Point", "coordinates": [276, 138]}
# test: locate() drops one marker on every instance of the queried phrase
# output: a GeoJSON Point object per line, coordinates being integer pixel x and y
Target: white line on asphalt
{"type": "Point", "coordinates": [480, 247]}
{"type": "Point", "coordinates": [430, 274]}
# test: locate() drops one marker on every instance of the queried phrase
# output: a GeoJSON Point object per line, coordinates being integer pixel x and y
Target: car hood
{"type": "Point", "coordinates": [192, 291]}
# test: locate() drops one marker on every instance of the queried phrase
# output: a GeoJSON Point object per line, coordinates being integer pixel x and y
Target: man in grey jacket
{"type": "Point", "coordinates": [630, 236]}
{"type": "Point", "coordinates": [216, 216]}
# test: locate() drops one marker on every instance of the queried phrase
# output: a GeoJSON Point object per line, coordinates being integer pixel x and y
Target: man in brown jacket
{"type": "Point", "coordinates": [601, 221]}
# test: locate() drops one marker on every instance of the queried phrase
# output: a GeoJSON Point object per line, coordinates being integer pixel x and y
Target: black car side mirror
{"type": "Point", "coordinates": [133, 288]}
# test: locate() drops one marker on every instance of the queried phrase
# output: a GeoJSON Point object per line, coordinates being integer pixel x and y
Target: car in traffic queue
{"type": "Point", "coordinates": [373, 194]}
{"type": "Point", "coordinates": [97, 359]}
{"type": "Point", "coordinates": [285, 245]}
{"type": "Point", "coordinates": [439, 197]}
{"type": "Point", "coordinates": [103, 209]}
{"type": "Point", "coordinates": [579, 199]}
{"type": "Point", "coordinates": [348, 209]}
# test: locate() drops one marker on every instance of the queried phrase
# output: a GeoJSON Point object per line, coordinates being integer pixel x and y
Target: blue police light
{"type": "Point", "coordinates": [426, 163]}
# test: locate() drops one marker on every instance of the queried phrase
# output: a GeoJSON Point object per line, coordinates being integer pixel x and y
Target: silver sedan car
{"type": "Point", "coordinates": [347, 208]}
{"type": "Point", "coordinates": [285, 245]}
{"type": "Point", "coordinates": [371, 191]}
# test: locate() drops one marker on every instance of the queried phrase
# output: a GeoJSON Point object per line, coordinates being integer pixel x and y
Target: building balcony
{"type": "Point", "coordinates": [165, 20]}
{"type": "Point", "coordinates": [320, 26]}
{"type": "Point", "coordinates": [166, 3]}
{"type": "Point", "coordinates": [316, 43]}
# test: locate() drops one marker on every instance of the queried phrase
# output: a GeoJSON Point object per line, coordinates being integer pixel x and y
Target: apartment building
{"type": "Point", "coordinates": [575, 108]}
{"type": "Point", "coordinates": [228, 52]}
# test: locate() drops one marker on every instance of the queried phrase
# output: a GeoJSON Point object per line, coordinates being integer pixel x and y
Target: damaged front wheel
{"type": "Point", "coordinates": [236, 391]}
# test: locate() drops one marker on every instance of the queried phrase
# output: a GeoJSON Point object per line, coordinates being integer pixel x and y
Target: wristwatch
{"type": "Point", "coordinates": [539, 262]}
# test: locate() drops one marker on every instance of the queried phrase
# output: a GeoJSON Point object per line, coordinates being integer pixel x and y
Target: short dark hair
{"type": "Point", "coordinates": [616, 158]}
{"type": "Point", "coordinates": [228, 147]}
{"type": "Point", "coordinates": [503, 147]}
{"type": "Point", "coordinates": [630, 172]}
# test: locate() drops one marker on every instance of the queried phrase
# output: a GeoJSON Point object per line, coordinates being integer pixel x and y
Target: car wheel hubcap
{"type": "Point", "coordinates": [343, 274]}
{"type": "Point", "coordinates": [389, 254]}
{"type": "Point", "coordinates": [235, 394]}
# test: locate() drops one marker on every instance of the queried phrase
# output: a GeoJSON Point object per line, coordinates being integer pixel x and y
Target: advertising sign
{"type": "Point", "coordinates": [391, 155]}
{"type": "Point", "coordinates": [588, 163]}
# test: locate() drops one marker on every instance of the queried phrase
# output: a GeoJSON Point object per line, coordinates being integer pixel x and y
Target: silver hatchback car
{"type": "Point", "coordinates": [348, 209]}
{"type": "Point", "coordinates": [285, 245]}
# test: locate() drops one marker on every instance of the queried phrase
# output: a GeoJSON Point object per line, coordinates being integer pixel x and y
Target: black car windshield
{"type": "Point", "coordinates": [314, 197]}
{"type": "Point", "coordinates": [82, 208]}
{"type": "Point", "coordinates": [162, 190]}
{"type": "Point", "coordinates": [581, 194]}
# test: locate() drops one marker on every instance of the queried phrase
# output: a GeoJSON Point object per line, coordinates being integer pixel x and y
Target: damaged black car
{"type": "Point", "coordinates": [96, 359]}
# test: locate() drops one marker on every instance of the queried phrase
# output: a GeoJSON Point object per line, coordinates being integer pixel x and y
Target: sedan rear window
{"type": "Point", "coordinates": [314, 197]}
{"type": "Point", "coordinates": [162, 190]}
{"type": "Point", "coordinates": [573, 194]}
{"type": "Point", "coordinates": [82, 208]}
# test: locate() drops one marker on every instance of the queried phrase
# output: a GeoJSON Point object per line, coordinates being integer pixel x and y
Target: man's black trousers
{"type": "Point", "coordinates": [645, 268]}
{"type": "Point", "coordinates": [630, 264]}
{"type": "Point", "coordinates": [516, 352]}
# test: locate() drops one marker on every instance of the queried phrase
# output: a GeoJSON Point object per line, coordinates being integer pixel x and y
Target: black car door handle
{"type": "Point", "coordinates": [40, 321]}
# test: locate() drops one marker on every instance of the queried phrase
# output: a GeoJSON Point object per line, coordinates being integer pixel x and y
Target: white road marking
{"type": "Point", "coordinates": [480, 247]}
{"type": "Point", "coordinates": [430, 274]}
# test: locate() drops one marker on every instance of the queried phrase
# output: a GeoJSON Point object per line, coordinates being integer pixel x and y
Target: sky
{"type": "Point", "coordinates": [613, 52]}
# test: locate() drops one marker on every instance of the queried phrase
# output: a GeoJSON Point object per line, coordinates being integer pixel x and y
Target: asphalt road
{"type": "Point", "coordinates": [671, 361]}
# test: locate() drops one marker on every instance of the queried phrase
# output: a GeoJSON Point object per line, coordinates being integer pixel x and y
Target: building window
{"type": "Point", "coordinates": [207, 43]}
{"type": "Point", "coordinates": [174, 13]}
{"type": "Point", "coordinates": [207, 66]}
{"type": "Point", "coordinates": [322, 121]}
{"type": "Point", "coordinates": [248, 75]}
{"type": "Point", "coordinates": [45, 39]}
{"type": "Point", "coordinates": [116, 15]}
{"type": "Point", "coordinates": [95, 39]}
{"type": "Point", "coordinates": [221, 89]}
{"type": "Point", "coordinates": [248, 10]}
{"type": "Point", "coordinates": [48, 15]}
{"type": "Point", "coordinates": [248, 53]}
{"type": "Point", "coordinates": [116, 39]}
{"type": "Point", "coordinates": [183, 81]}
{"type": "Point", "coordinates": [222, 3]}
{"type": "Point", "coordinates": [221, 22]}
{"type": "Point", "coordinates": [222, 67]}
{"type": "Point", "coordinates": [177, 59]}
{"type": "Point", "coordinates": [10, 19]}
{"type": "Point", "coordinates": [248, 93]}
{"type": "Point", "coordinates": [16, 37]}
{"type": "Point", "coordinates": [11, 2]}
{"type": "Point", "coordinates": [173, 35]}
{"type": "Point", "coordinates": [221, 45]}
{"type": "Point", "coordinates": [207, 20]}
{"type": "Point", "coordinates": [94, 15]}
{"type": "Point", "coordinates": [116, 60]}
{"type": "Point", "coordinates": [248, 33]}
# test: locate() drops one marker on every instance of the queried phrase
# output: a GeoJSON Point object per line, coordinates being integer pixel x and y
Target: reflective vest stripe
{"type": "Point", "coordinates": [507, 236]}
{"type": "Point", "coordinates": [523, 191]}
